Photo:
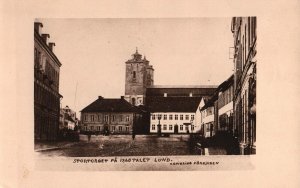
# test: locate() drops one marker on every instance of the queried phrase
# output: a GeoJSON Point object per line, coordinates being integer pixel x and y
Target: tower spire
{"type": "Point", "coordinates": [136, 50]}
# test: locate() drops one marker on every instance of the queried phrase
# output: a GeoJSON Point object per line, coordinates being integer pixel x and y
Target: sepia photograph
{"type": "Point", "coordinates": [149, 93]}
{"type": "Point", "coordinates": [145, 87]}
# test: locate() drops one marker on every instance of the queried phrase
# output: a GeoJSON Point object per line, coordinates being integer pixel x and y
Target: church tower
{"type": "Point", "coordinates": [139, 75]}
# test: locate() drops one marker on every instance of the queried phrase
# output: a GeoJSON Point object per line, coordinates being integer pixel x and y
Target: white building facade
{"type": "Point", "coordinates": [173, 122]}
{"type": "Point", "coordinates": [207, 121]}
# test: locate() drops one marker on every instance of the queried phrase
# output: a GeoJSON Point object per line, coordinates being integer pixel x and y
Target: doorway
{"type": "Point", "coordinates": [176, 129]}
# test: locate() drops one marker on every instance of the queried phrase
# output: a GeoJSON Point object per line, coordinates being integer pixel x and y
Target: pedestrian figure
{"type": "Point", "coordinates": [133, 136]}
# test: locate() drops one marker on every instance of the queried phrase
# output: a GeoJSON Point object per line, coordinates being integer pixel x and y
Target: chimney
{"type": "Point", "coordinates": [51, 46]}
{"type": "Point", "coordinates": [38, 27]}
{"type": "Point", "coordinates": [100, 97]}
{"type": "Point", "coordinates": [45, 38]}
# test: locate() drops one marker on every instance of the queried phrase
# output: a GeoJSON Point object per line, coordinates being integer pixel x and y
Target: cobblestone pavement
{"type": "Point", "coordinates": [143, 145]}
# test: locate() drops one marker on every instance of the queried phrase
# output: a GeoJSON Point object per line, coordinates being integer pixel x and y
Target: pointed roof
{"type": "Point", "coordinates": [137, 57]}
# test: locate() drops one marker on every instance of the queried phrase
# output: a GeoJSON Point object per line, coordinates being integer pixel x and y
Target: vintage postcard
{"type": "Point", "coordinates": [149, 93]}
{"type": "Point", "coordinates": [145, 94]}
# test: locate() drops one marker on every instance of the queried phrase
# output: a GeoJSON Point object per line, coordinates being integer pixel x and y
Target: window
{"type": "Point", "coordinates": [35, 57]}
{"type": "Point", "coordinates": [192, 117]}
{"type": "Point", "coordinates": [176, 117]}
{"type": "Point", "coordinates": [165, 94]}
{"type": "Point", "coordinates": [181, 117]}
{"type": "Point", "coordinates": [99, 117]}
{"type": "Point", "coordinates": [106, 118]}
{"type": "Point", "coordinates": [171, 117]}
{"type": "Point", "coordinates": [186, 127]}
{"type": "Point", "coordinates": [92, 117]}
{"type": "Point", "coordinates": [153, 127]}
{"type": "Point", "coordinates": [187, 117]}
{"type": "Point", "coordinates": [170, 127]}
{"type": "Point", "coordinates": [121, 118]}
{"type": "Point", "coordinates": [127, 128]}
{"type": "Point", "coordinates": [165, 127]}
{"type": "Point", "coordinates": [98, 128]}
{"type": "Point", "coordinates": [153, 116]}
{"type": "Point", "coordinates": [192, 127]}
{"type": "Point", "coordinates": [113, 128]}
{"type": "Point", "coordinates": [159, 116]}
{"type": "Point", "coordinates": [134, 75]}
{"type": "Point", "coordinates": [181, 127]}
{"type": "Point", "coordinates": [85, 118]}
{"type": "Point", "coordinates": [165, 117]}
{"type": "Point", "coordinates": [127, 118]}
{"type": "Point", "coordinates": [120, 128]}
{"type": "Point", "coordinates": [92, 128]}
{"type": "Point", "coordinates": [113, 118]}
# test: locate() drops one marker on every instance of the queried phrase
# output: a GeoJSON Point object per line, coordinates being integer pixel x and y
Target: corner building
{"type": "Point", "coordinates": [46, 87]}
{"type": "Point", "coordinates": [244, 99]}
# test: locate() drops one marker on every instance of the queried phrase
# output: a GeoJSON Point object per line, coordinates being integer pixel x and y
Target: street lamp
{"type": "Point", "coordinates": [192, 130]}
{"type": "Point", "coordinates": [159, 125]}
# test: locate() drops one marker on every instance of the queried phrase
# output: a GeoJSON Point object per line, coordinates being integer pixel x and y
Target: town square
{"type": "Point", "coordinates": [176, 100]}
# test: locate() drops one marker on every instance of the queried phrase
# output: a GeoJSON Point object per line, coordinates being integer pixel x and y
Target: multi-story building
{"type": "Point", "coordinates": [208, 118]}
{"type": "Point", "coordinates": [217, 111]}
{"type": "Point", "coordinates": [244, 98]}
{"type": "Point", "coordinates": [67, 119]}
{"type": "Point", "coordinates": [106, 116]}
{"type": "Point", "coordinates": [225, 107]}
{"type": "Point", "coordinates": [173, 114]}
{"type": "Point", "coordinates": [139, 76]}
{"type": "Point", "coordinates": [46, 87]}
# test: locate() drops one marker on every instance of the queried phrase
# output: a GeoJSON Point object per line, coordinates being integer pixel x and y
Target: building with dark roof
{"type": "Point", "coordinates": [173, 115]}
{"type": "Point", "coordinates": [106, 116]}
{"type": "Point", "coordinates": [217, 111]}
{"type": "Point", "coordinates": [224, 121]}
{"type": "Point", "coordinates": [46, 87]}
{"type": "Point", "coordinates": [180, 90]}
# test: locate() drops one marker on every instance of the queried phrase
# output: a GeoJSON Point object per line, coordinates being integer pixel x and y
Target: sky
{"type": "Point", "coordinates": [93, 52]}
